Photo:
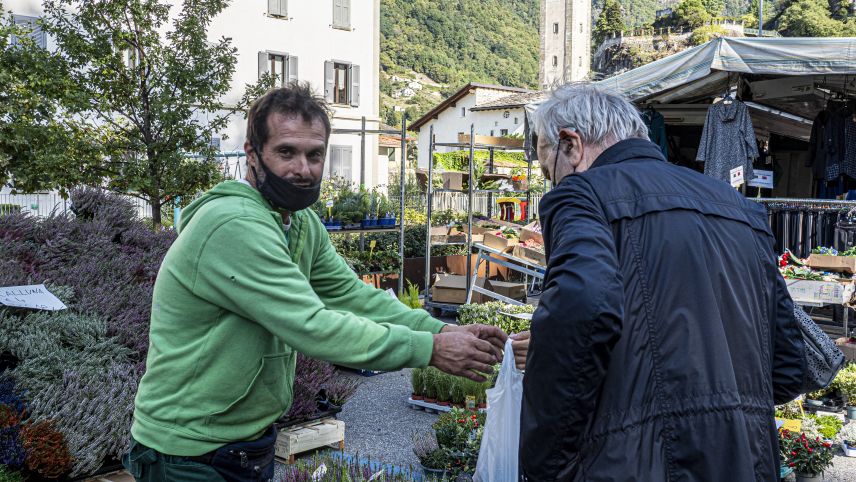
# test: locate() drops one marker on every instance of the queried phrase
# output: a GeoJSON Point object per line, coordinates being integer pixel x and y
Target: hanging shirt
{"type": "Point", "coordinates": [728, 141]}
{"type": "Point", "coordinates": [849, 164]}
{"type": "Point", "coordinates": [656, 129]}
{"type": "Point", "coordinates": [835, 143]}
{"type": "Point", "coordinates": [817, 146]}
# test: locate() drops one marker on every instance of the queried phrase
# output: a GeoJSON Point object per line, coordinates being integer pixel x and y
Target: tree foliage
{"type": "Point", "coordinates": [146, 81]}
{"type": "Point", "coordinates": [42, 145]}
{"type": "Point", "coordinates": [813, 18]}
{"type": "Point", "coordinates": [611, 20]}
{"type": "Point", "coordinates": [458, 41]}
{"type": "Point", "coordinates": [692, 13]}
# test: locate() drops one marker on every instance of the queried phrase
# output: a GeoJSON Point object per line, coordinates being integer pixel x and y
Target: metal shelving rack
{"type": "Point", "coordinates": [470, 191]}
{"type": "Point", "coordinates": [362, 132]}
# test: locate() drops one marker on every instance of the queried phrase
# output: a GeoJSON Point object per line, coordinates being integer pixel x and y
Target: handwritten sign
{"type": "Point", "coordinates": [763, 179]}
{"type": "Point", "coordinates": [36, 297]}
{"type": "Point", "coordinates": [737, 176]}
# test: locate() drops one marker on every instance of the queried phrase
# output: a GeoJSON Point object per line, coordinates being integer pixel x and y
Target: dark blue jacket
{"type": "Point", "coordinates": [665, 332]}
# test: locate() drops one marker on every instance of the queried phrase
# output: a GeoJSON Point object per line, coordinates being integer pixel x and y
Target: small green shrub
{"type": "Point", "coordinates": [417, 381]}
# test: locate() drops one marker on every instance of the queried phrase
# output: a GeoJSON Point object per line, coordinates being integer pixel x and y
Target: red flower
{"type": "Point", "coordinates": [794, 453]}
{"type": "Point", "coordinates": [827, 444]}
{"type": "Point", "coordinates": [791, 464]}
{"type": "Point", "coordinates": [810, 451]}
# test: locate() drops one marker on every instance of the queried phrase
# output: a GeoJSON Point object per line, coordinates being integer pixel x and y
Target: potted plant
{"type": "Point", "coordinates": [845, 383]}
{"type": "Point", "coordinates": [809, 457]}
{"type": "Point", "coordinates": [429, 379]}
{"type": "Point", "coordinates": [815, 398]}
{"type": "Point", "coordinates": [847, 436]}
{"type": "Point", "coordinates": [431, 457]}
{"type": "Point", "coordinates": [416, 380]}
{"type": "Point", "coordinates": [459, 394]}
{"type": "Point", "coordinates": [443, 383]}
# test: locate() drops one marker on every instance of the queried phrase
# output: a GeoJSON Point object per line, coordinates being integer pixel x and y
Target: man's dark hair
{"type": "Point", "coordinates": [294, 100]}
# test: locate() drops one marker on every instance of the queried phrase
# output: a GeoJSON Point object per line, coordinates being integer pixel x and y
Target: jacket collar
{"type": "Point", "coordinates": [627, 150]}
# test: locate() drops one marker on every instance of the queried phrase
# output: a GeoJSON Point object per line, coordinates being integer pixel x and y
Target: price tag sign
{"type": "Point", "coordinates": [330, 203]}
{"type": "Point", "coordinates": [372, 244]}
{"type": "Point", "coordinates": [330, 209]}
{"type": "Point", "coordinates": [763, 179]}
{"type": "Point", "coordinates": [36, 297]}
{"type": "Point", "coordinates": [737, 177]}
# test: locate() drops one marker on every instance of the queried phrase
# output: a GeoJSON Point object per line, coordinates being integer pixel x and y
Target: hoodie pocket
{"type": "Point", "coordinates": [264, 399]}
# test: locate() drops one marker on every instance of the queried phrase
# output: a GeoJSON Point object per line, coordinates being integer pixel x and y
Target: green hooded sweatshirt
{"type": "Point", "coordinates": [235, 298]}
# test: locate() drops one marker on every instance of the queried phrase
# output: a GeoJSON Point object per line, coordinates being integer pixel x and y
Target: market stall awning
{"type": "Point", "coordinates": [697, 70]}
{"type": "Point", "coordinates": [789, 80]}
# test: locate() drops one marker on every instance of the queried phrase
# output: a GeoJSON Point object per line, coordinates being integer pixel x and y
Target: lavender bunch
{"type": "Point", "coordinates": [12, 453]}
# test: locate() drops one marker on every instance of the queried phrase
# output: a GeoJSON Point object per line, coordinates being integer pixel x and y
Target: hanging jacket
{"type": "Point", "coordinates": [657, 130]}
{"type": "Point", "coordinates": [665, 333]}
{"type": "Point", "coordinates": [728, 141]}
{"type": "Point", "coordinates": [835, 143]}
{"type": "Point", "coordinates": [817, 146]}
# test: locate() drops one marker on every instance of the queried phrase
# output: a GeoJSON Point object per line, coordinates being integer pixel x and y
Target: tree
{"type": "Point", "coordinates": [811, 18]}
{"type": "Point", "coordinates": [154, 89]}
{"type": "Point", "coordinates": [42, 146]}
{"type": "Point", "coordinates": [691, 13]}
{"type": "Point", "coordinates": [611, 20]}
{"type": "Point", "coordinates": [714, 7]}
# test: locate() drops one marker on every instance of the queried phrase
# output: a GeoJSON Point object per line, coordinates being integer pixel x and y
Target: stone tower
{"type": "Point", "coordinates": [565, 41]}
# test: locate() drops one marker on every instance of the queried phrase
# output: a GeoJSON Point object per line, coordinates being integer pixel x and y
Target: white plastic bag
{"type": "Point", "coordinates": [501, 439]}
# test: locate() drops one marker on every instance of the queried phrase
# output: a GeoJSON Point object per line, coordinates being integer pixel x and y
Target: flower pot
{"type": "Point", "coordinates": [435, 472]}
{"type": "Point", "coordinates": [849, 450]}
{"type": "Point", "coordinates": [372, 222]}
{"type": "Point", "coordinates": [364, 223]}
{"type": "Point", "coordinates": [417, 397]}
{"type": "Point", "coordinates": [815, 403]}
{"type": "Point", "coordinates": [809, 478]}
{"type": "Point", "coordinates": [430, 400]}
{"type": "Point", "coordinates": [851, 412]}
{"type": "Point", "coordinates": [444, 404]}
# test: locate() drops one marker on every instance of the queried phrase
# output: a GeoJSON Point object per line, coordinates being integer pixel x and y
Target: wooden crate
{"type": "Point", "coordinates": [119, 476]}
{"type": "Point", "coordinates": [309, 436]}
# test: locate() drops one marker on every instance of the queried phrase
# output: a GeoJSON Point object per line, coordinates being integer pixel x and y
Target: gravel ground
{"type": "Point", "coordinates": [378, 424]}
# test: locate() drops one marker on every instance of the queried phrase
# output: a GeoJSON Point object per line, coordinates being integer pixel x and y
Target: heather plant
{"type": "Point", "coordinates": [12, 452]}
{"type": "Point", "coordinates": [310, 377]}
{"type": "Point", "coordinates": [47, 454]}
{"type": "Point", "coordinates": [9, 475]}
{"type": "Point", "coordinates": [341, 389]}
{"type": "Point", "coordinates": [329, 468]}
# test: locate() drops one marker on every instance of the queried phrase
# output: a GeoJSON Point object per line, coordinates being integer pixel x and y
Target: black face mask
{"type": "Point", "coordinates": [282, 193]}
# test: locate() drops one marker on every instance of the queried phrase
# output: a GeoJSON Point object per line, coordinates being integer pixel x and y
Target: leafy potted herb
{"type": "Point", "coordinates": [417, 381]}
{"type": "Point", "coordinates": [443, 383]}
{"type": "Point", "coordinates": [815, 398]}
{"type": "Point", "coordinates": [809, 457]}
{"type": "Point", "coordinates": [847, 436]}
{"type": "Point", "coordinates": [429, 378]}
{"type": "Point", "coordinates": [459, 394]}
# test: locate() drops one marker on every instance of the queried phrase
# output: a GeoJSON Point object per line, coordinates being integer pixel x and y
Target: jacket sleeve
{"type": "Point", "coordinates": [574, 330]}
{"type": "Point", "coordinates": [788, 348]}
{"type": "Point", "coordinates": [706, 136]}
{"type": "Point", "coordinates": [749, 135]}
{"type": "Point", "coordinates": [338, 287]}
{"type": "Point", "coordinates": [259, 281]}
{"type": "Point", "coordinates": [812, 142]}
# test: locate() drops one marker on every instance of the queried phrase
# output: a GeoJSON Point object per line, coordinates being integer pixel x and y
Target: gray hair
{"type": "Point", "coordinates": [599, 117]}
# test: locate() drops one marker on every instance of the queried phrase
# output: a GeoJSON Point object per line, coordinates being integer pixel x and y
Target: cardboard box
{"type": "Point", "coordinates": [457, 238]}
{"type": "Point", "coordinates": [515, 291]}
{"type": "Point", "coordinates": [837, 264]}
{"type": "Point", "coordinates": [529, 232]}
{"type": "Point", "coordinates": [530, 254]}
{"type": "Point", "coordinates": [492, 141]}
{"type": "Point", "coordinates": [439, 234]}
{"type": "Point", "coordinates": [454, 180]}
{"type": "Point", "coordinates": [847, 347]}
{"type": "Point", "coordinates": [500, 243]}
{"type": "Point", "coordinates": [819, 292]}
{"type": "Point", "coordinates": [452, 289]}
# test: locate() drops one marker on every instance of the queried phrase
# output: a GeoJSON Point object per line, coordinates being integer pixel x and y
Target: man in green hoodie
{"type": "Point", "coordinates": [252, 279]}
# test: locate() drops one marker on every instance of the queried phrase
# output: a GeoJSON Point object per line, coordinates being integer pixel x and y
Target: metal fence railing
{"type": "Point", "coordinates": [45, 204]}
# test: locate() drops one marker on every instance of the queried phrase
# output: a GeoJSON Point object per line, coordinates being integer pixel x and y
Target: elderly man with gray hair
{"type": "Point", "coordinates": [665, 332]}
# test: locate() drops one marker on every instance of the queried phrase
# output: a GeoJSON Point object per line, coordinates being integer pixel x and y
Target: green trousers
{"type": "Point", "coordinates": [148, 465]}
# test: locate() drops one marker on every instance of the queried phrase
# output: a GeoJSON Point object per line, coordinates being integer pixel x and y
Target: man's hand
{"type": "Point", "coordinates": [520, 345]}
{"type": "Point", "coordinates": [492, 334]}
{"type": "Point", "coordinates": [463, 354]}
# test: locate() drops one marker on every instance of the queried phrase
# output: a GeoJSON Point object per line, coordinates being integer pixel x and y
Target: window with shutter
{"type": "Point", "coordinates": [278, 8]}
{"type": "Point", "coordinates": [340, 162]}
{"type": "Point", "coordinates": [278, 67]}
{"type": "Point", "coordinates": [35, 31]}
{"type": "Point", "coordinates": [342, 14]}
{"type": "Point", "coordinates": [354, 94]}
{"type": "Point", "coordinates": [341, 83]}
